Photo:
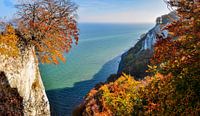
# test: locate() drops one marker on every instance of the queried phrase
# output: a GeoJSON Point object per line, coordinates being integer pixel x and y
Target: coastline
{"type": "Point", "coordinates": [87, 61]}
{"type": "Point", "coordinates": [60, 106]}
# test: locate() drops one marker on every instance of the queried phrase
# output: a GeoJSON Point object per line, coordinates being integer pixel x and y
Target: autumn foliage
{"type": "Point", "coordinates": [116, 98]}
{"type": "Point", "coordinates": [174, 87]}
{"type": "Point", "coordinates": [158, 95]}
{"type": "Point", "coordinates": [47, 25]}
{"type": "Point", "coordinates": [179, 55]}
{"type": "Point", "coordinates": [8, 41]}
{"type": "Point", "coordinates": [180, 52]}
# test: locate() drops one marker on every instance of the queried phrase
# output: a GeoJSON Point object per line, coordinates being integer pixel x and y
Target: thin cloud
{"type": "Point", "coordinates": [128, 16]}
{"type": "Point", "coordinates": [129, 11]}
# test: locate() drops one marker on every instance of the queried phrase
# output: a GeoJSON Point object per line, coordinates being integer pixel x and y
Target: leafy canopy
{"type": "Point", "coordinates": [47, 25]}
{"type": "Point", "coordinates": [180, 52]}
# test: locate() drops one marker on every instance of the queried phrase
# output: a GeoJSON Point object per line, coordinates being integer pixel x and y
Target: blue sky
{"type": "Point", "coordinates": [6, 8]}
{"type": "Point", "coordinates": [115, 11]}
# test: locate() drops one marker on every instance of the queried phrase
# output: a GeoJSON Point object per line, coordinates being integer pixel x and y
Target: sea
{"type": "Point", "coordinates": [96, 56]}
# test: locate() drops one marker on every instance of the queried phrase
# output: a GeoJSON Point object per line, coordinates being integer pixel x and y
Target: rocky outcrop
{"type": "Point", "coordinates": [23, 74]}
{"type": "Point", "coordinates": [11, 103]}
{"type": "Point", "coordinates": [136, 60]}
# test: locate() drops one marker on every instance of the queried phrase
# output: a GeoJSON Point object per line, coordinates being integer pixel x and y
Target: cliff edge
{"type": "Point", "coordinates": [136, 60]}
{"type": "Point", "coordinates": [23, 77]}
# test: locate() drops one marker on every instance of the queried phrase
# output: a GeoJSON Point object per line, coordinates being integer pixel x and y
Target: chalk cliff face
{"type": "Point", "coordinates": [23, 74]}
{"type": "Point", "coordinates": [135, 60]}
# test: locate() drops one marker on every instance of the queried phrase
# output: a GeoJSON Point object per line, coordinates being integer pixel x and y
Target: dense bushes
{"type": "Point", "coordinates": [158, 95]}
{"type": "Point", "coordinates": [8, 40]}
{"type": "Point", "coordinates": [114, 98]}
{"type": "Point", "coordinates": [174, 89]}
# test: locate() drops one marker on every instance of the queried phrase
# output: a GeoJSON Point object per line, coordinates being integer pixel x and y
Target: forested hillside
{"type": "Point", "coordinates": [174, 87]}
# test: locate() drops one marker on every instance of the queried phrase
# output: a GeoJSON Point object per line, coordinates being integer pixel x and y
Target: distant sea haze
{"type": "Point", "coordinates": [95, 57]}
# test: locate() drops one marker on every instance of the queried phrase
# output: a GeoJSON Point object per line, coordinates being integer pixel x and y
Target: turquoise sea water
{"type": "Point", "coordinates": [95, 57]}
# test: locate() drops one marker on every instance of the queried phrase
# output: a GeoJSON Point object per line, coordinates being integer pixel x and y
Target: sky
{"type": "Point", "coordinates": [107, 11]}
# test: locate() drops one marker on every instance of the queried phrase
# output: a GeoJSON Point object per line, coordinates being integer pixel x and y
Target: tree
{"type": "Point", "coordinates": [173, 89]}
{"type": "Point", "coordinates": [48, 25]}
{"type": "Point", "coordinates": [8, 40]}
{"type": "Point", "coordinates": [180, 53]}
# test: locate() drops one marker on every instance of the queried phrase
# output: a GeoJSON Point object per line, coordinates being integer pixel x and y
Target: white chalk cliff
{"type": "Point", "coordinates": [23, 73]}
{"type": "Point", "coordinates": [136, 60]}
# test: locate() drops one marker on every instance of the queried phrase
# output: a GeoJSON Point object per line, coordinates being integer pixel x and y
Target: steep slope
{"type": "Point", "coordinates": [136, 59]}
{"type": "Point", "coordinates": [23, 74]}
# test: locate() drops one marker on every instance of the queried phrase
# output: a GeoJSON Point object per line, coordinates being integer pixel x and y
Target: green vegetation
{"type": "Point", "coordinates": [136, 60]}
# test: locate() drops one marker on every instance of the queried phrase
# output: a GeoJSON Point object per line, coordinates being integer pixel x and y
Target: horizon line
{"type": "Point", "coordinates": [119, 22]}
